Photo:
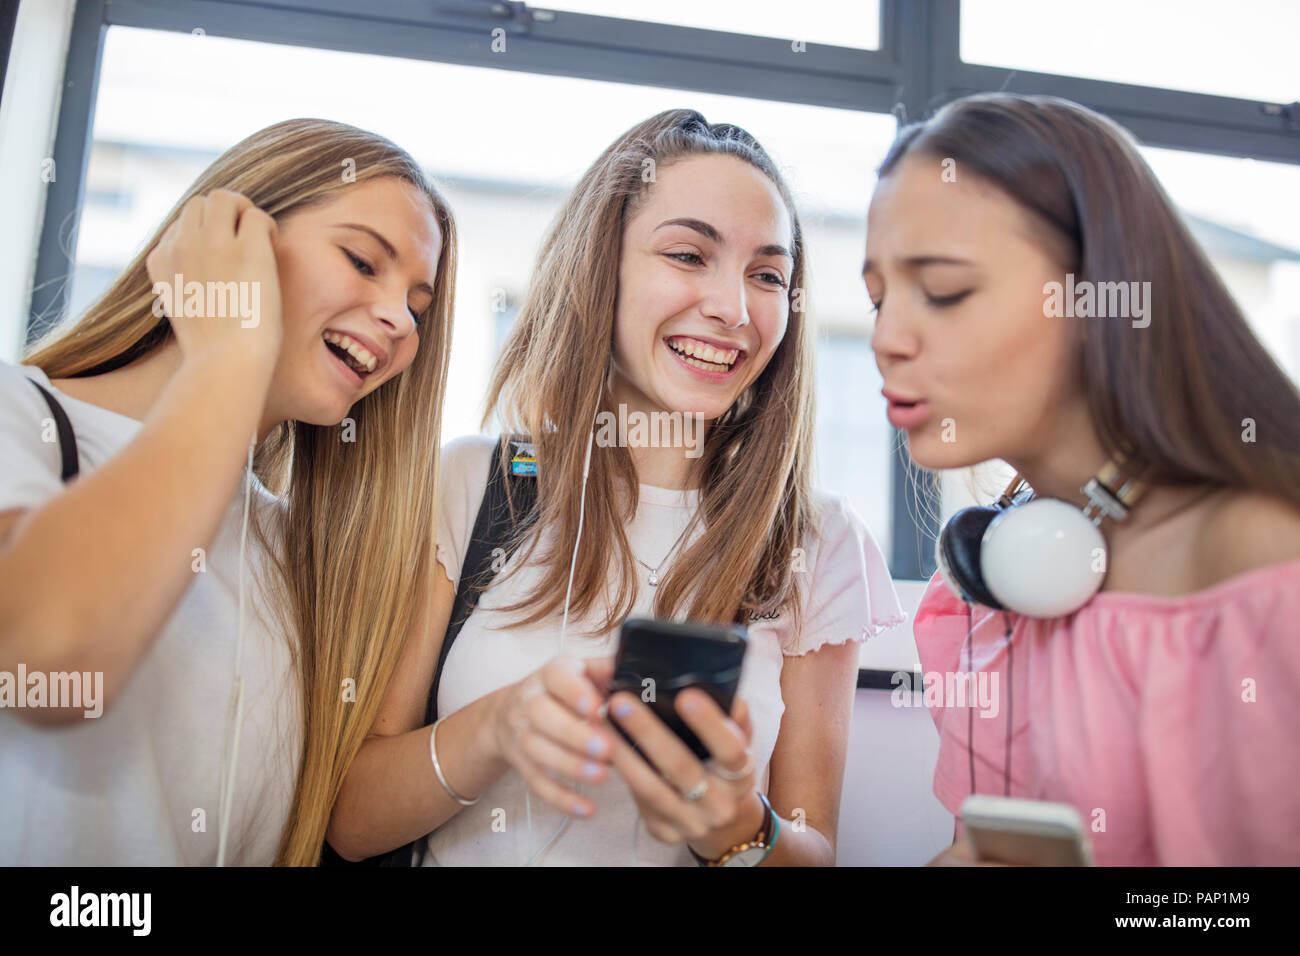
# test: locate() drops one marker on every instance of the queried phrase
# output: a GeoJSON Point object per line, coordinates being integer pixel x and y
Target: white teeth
{"type": "Point", "coordinates": [707, 366]}
{"type": "Point", "coordinates": [704, 352]}
{"type": "Point", "coordinates": [361, 355]}
{"type": "Point", "coordinates": [353, 348]}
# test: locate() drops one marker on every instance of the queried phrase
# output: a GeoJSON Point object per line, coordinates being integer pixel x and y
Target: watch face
{"type": "Point", "coordinates": [750, 857]}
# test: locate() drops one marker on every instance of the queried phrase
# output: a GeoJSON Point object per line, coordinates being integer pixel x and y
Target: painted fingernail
{"type": "Point", "coordinates": [584, 704]}
{"type": "Point", "coordinates": [595, 746]}
{"type": "Point", "coordinates": [689, 704]}
{"type": "Point", "coordinates": [622, 709]}
{"type": "Point", "coordinates": [580, 810]}
{"type": "Point", "coordinates": [590, 769]}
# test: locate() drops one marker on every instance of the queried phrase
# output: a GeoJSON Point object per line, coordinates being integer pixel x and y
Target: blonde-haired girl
{"type": "Point", "coordinates": [244, 630]}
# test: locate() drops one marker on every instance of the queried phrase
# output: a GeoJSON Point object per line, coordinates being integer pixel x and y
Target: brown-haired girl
{"type": "Point", "coordinates": [1165, 707]}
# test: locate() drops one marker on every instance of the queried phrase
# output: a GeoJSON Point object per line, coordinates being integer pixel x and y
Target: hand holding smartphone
{"type": "Point", "coordinates": [1025, 832]}
{"type": "Point", "coordinates": [658, 659]}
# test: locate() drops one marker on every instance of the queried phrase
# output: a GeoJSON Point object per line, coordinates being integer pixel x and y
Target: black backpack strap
{"type": "Point", "coordinates": [70, 464]}
{"type": "Point", "coordinates": [494, 527]}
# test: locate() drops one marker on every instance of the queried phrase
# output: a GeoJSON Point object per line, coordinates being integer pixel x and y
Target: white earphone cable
{"type": "Point", "coordinates": [564, 625]}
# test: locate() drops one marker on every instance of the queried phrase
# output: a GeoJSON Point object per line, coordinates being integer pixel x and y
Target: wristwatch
{"type": "Point", "coordinates": [752, 852]}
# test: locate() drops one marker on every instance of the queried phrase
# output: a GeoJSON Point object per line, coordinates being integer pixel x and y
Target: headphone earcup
{"type": "Point", "coordinates": [957, 552]}
{"type": "Point", "coordinates": [1042, 559]}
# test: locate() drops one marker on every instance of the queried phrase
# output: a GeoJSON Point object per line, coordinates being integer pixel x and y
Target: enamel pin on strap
{"type": "Point", "coordinates": [524, 463]}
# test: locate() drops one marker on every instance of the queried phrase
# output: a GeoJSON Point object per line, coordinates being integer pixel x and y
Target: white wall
{"type": "Point", "coordinates": [888, 814]}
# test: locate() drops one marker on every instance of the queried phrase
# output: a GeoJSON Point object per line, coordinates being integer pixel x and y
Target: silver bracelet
{"type": "Point", "coordinates": [437, 768]}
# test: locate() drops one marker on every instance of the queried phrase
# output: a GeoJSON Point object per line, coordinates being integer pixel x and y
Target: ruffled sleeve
{"type": "Point", "coordinates": [849, 595]}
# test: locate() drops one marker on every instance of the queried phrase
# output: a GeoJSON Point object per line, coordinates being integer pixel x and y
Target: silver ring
{"type": "Point", "coordinates": [741, 774]}
{"type": "Point", "coordinates": [696, 792]}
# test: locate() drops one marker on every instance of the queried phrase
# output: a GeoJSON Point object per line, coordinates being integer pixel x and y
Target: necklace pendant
{"type": "Point", "coordinates": [654, 580]}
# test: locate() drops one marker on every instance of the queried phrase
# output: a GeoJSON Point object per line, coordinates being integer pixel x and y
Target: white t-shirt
{"type": "Point", "coordinates": [851, 597]}
{"type": "Point", "coordinates": [124, 788]}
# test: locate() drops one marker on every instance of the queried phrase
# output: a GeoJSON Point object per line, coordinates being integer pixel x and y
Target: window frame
{"type": "Point", "coordinates": [916, 69]}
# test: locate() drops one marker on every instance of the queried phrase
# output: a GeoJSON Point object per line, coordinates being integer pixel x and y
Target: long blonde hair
{"type": "Point", "coordinates": [756, 462]}
{"type": "Point", "coordinates": [354, 539]}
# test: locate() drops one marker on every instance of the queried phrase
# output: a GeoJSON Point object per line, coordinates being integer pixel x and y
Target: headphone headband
{"type": "Point", "coordinates": [1012, 490]}
{"type": "Point", "coordinates": [1110, 493]}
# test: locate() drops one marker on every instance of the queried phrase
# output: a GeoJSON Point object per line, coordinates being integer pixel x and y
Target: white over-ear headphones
{"type": "Point", "coordinates": [1038, 557]}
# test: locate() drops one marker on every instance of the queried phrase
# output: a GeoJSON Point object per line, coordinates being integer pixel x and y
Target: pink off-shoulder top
{"type": "Point", "coordinates": [1172, 724]}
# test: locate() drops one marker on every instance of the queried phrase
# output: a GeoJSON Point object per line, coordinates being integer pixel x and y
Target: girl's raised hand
{"type": "Point", "coordinates": [227, 245]}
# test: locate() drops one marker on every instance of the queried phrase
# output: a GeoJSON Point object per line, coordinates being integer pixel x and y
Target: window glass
{"type": "Point", "coordinates": [1246, 48]}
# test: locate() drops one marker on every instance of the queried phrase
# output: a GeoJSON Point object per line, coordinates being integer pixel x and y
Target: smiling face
{"type": "Point", "coordinates": [703, 287]}
{"type": "Point", "coordinates": [973, 370]}
{"type": "Point", "coordinates": [354, 271]}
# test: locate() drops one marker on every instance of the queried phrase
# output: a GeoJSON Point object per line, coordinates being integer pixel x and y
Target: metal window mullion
{"type": "Point", "coordinates": [589, 29]}
{"type": "Point", "coordinates": [471, 46]}
{"type": "Point", "coordinates": [402, 30]}
{"type": "Point", "coordinates": [922, 36]}
{"type": "Point", "coordinates": [1175, 119]}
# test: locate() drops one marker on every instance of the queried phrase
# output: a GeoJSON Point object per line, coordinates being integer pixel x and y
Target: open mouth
{"type": "Point", "coordinates": [705, 357]}
{"type": "Point", "coordinates": [905, 414]}
{"type": "Point", "coordinates": [354, 356]}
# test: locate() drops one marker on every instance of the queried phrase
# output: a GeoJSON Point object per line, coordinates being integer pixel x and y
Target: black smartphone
{"type": "Point", "coordinates": [657, 659]}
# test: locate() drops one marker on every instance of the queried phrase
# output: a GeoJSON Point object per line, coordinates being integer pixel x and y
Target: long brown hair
{"type": "Point", "coordinates": [755, 463]}
{"type": "Point", "coordinates": [355, 536]}
{"type": "Point", "coordinates": [1174, 398]}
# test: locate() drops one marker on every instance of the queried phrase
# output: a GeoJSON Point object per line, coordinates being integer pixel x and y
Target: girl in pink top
{"type": "Point", "coordinates": [1166, 709]}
